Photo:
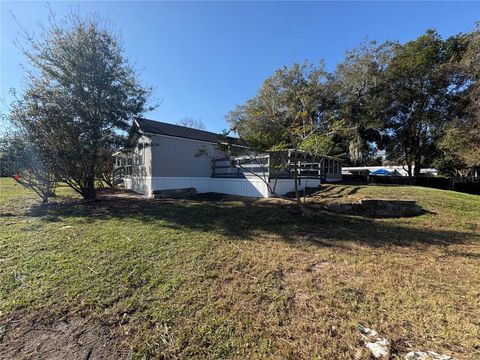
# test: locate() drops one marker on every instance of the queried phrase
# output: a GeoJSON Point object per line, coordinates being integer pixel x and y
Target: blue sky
{"type": "Point", "coordinates": [204, 58]}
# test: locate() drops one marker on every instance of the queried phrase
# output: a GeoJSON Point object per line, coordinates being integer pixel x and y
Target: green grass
{"type": "Point", "coordinates": [236, 279]}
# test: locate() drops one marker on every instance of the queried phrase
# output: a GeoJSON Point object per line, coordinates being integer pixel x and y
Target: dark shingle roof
{"type": "Point", "coordinates": [161, 128]}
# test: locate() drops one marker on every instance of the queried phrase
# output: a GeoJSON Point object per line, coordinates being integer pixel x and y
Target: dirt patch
{"type": "Point", "coordinates": [301, 298]}
{"type": "Point", "coordinates": [119, 193]}
{"type": "Point", "coordinates": [319, 266]}
{"type": "Point", "coordinates": [40, 337]}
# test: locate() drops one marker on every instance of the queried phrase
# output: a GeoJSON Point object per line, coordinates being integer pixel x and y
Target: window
{"type": "Point", "coordinates": [141, 154]}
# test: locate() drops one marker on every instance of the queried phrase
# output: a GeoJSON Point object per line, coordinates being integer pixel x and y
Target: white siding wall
{"type": "Point", "coordinates": [178, 157]}
{"type": "Point", "coordinates": [287, 185]}
{"type": "Point", "coordinates": [141, 185]}
{"type": "Point", "coordinates": [252, 187]}
{"type": "Point", "coordinates": [244, 187]}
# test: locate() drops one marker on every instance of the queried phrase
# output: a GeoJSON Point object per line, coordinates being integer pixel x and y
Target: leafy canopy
{"type": "Point", "coordinates": [81, 93]}
{"type": "Point", "coordinates": [291, 107]}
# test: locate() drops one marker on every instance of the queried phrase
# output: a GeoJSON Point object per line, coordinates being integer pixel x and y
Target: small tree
{"type": "Point", "coordinates": [33, 167]}
{"type": "Point", "coordinates": [81, 93]}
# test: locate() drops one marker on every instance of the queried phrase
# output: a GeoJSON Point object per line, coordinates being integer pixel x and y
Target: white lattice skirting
{"type": "Point", "coordinates": [252, 187]}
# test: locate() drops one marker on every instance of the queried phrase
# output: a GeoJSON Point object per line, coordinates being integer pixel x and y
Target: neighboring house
{"type": "Point", "coordinates": [161, 156]}
{"type": "Point", "coordinates": [395, 170]}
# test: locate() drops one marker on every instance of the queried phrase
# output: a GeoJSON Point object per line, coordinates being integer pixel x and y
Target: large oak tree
{"type": "Point", "coordinates": [460, 144]}
{"type": "Point", "coordinates": [420, 89]}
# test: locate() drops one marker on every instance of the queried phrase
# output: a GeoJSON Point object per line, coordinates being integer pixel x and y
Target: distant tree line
{"type": "Point", "coordinates": [415, 104]}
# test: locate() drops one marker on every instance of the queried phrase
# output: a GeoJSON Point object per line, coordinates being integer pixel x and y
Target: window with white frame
{"type": "Point", "coordinates": [141, 154]}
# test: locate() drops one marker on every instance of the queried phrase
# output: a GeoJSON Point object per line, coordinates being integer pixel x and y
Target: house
{"type": "Point", "coordinates": [162, 156]}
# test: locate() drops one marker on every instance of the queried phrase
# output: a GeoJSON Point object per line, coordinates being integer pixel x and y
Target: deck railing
{"type": "Point", "coordinates": [240, 167]}
{"type": "Point", "coordinates": [118, 175]}
{"type": "Point", "coordinates": [272, 165]}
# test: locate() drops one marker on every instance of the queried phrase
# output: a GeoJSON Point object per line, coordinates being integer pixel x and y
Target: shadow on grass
{"type": "Point", "coordinates": [244, 218]}
{"type": "Point", "coordinates": [329, 191]}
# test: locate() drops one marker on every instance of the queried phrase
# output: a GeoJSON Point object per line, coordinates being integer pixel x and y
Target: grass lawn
{"type": "Point", "coordinates": [239, 279]}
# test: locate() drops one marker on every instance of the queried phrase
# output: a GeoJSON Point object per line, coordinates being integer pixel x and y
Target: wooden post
{"type": "Point", "coordinates": [268, 168]}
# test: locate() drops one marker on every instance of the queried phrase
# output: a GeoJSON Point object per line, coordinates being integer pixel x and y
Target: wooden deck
{"type": "Point", "coordinates": [277, 166]}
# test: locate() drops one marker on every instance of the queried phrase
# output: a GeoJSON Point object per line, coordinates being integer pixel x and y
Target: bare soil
{"type": "Point", "coordinates": [45, 337]}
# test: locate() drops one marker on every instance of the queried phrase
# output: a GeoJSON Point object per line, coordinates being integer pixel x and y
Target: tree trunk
{"type": "Point", "coordinates": [416, 170]}
{"type": "Point", "coordinates": [410, 173]}
{"type": "Point", "coordinates": [89, 192]}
